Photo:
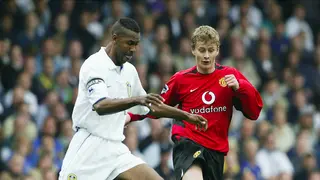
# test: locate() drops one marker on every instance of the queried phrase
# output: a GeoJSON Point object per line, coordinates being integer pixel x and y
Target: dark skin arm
{"type": "Point", "coordinates": [165, 111]}
{"type": "Point", "coordinates": [172, 112]}
{"type": "Point", "coordinates": [155, 103]}
{"type": "Point", "coordinates": [177, 114]}
{"type": "Point", "coordinates": [109, 106]}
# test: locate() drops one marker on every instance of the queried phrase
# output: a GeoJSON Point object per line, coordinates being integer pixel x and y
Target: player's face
{"type": "Point", "coordinates": [205, 54]}
{"type": "Point", "coordinates": [125, 46]}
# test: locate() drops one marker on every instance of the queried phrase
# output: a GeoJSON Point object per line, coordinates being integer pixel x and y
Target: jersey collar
{"type": "Point", "coordinates": [106, 58]}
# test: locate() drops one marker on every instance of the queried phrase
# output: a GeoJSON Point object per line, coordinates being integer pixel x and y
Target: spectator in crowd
{"type": "Point", "coordinates": [251, 147]}
{"type": "Point", "coordinates": [285, 134]}
{"type": "Point", "coordinates": [308, 166]}
{"type": "Point", "coordinates": [15, 168]}
{"type": "Point", "coordinates": [163, 169]}
{"type": "Point", "coordinates": [11, 70]}
{"type": "Point", "coordinates": [297, 24]}
{"type": "Point", "coordinates": [273, 163]}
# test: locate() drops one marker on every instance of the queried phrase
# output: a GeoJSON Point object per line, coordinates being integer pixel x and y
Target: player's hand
{"type": "Point", "coordinates": [232, 81]}
{"type": "Point", "coordinates": [200, 122]}
{"type": "Point", "coordinates": [150, 100]}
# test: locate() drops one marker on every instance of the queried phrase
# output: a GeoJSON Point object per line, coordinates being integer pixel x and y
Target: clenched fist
{"type": "Point", "coordinates": [232, 81]}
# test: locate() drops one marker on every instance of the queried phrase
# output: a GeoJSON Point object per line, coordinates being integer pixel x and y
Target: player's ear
{"type": "Point", "coordinates": [217, 49]}
{"type": "Point", "coordinates": [192, 51]}
{"type": "Point", "coordinates": [114, 37]}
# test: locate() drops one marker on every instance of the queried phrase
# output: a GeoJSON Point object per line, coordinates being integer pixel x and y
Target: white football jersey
{"type": "Point", "coordinates": [100, 78]}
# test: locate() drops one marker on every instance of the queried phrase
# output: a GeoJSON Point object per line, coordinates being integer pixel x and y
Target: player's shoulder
{"type": "Point", "coordinates": [93, 62]}
{"type": "Point", "coordinates": [224, 68]}
{"type": "Point", "coordinates": [129, 66]}
{"type": "Point", "coordinates": [129, 69]}
{"type": "Point", "coordinates": [191, 70]}
{"type": "Point", "coordinates": [183, 73]}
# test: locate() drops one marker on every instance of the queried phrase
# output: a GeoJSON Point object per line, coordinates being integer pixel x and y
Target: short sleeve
{"type": "Point", "coordinates": [169, 91]}
{"type": "Point", "coordinates": [94, 85]}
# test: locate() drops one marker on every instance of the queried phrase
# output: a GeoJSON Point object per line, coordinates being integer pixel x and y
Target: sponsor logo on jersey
{"type": "Point", "coordinates": [208, 98]}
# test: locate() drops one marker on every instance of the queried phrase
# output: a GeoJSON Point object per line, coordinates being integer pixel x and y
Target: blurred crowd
{"type": "Point", "coordinates": [275, 44]}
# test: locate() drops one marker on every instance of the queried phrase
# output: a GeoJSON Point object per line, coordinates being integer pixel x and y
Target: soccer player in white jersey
{"type": "Point", "coordinates": [109, 86]}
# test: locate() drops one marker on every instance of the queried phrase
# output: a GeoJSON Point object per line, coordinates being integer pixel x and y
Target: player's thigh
{"type": "Point", "coordinates": [139, 172]}
{"type": "Point", "coordinates": [214, 165]}
{"type": "Point", "coordinates": [194, 172]}
{"type": "Point", "coordinates": [94, 158]}
{"type": "Point", "coordinates": [132, 167]}
{"type": "Point", "coordinates": [75, 156]}
{"type": "Point", "coordinates": [186, 155]}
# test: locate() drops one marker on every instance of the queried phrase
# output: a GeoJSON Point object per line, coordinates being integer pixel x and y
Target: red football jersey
{"type": "Point", "coordinates": [208, 95]}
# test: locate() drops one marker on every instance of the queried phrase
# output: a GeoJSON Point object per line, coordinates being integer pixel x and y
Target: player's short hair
{"type": "Point", "coordinates": [204, 34]}
{"type": "Point", "coordinates": [125, 23]}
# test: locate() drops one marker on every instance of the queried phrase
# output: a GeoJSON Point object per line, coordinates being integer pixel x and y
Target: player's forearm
{"type": "Point", "coordinates": [168, 112]}
{"type": "Point", "coordinates": [250, 100]}
{"type": "Point", "coordinates": [108, 106]}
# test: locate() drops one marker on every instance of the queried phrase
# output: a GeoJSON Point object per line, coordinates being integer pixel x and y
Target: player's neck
{"type": "Point", "coordinates": [206, 71]}
{"type": "Point", "coordinates": [110, 52]}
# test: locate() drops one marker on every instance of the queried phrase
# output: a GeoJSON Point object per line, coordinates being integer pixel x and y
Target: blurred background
{"type": "Point", "coordinates": [274, 43]}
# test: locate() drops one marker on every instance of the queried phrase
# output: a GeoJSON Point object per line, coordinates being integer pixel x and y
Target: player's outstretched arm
{"type": "Point", "coordinates": [177, 114]}
{"type": "Point", "coordinates": [109, 106]}
{"type": "Point", "coordinates": [170, 112]}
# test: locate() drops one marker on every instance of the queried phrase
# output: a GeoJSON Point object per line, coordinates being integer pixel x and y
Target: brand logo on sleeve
{"type": "Point", "coordinates": [165, 89]}
{"type": "Point", "coordinates": [90, 90]}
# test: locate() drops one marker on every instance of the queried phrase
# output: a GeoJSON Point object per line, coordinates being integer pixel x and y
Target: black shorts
{"type": "Point", "coordinates": [186, 152]}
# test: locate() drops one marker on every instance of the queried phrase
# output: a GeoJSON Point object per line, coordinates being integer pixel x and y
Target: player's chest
{"type": "Point", "coordinates": [206, 92]}
{"type": "Point", "coordinates": [119, 86]}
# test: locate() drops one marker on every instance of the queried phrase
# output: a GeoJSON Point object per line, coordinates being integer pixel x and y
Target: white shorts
{"type": "Point", "coordinates": [92, 157]}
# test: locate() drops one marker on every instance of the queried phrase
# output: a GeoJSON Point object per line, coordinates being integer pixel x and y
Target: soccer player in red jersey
{"type": "Point", "coordinates": [210, 90]}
